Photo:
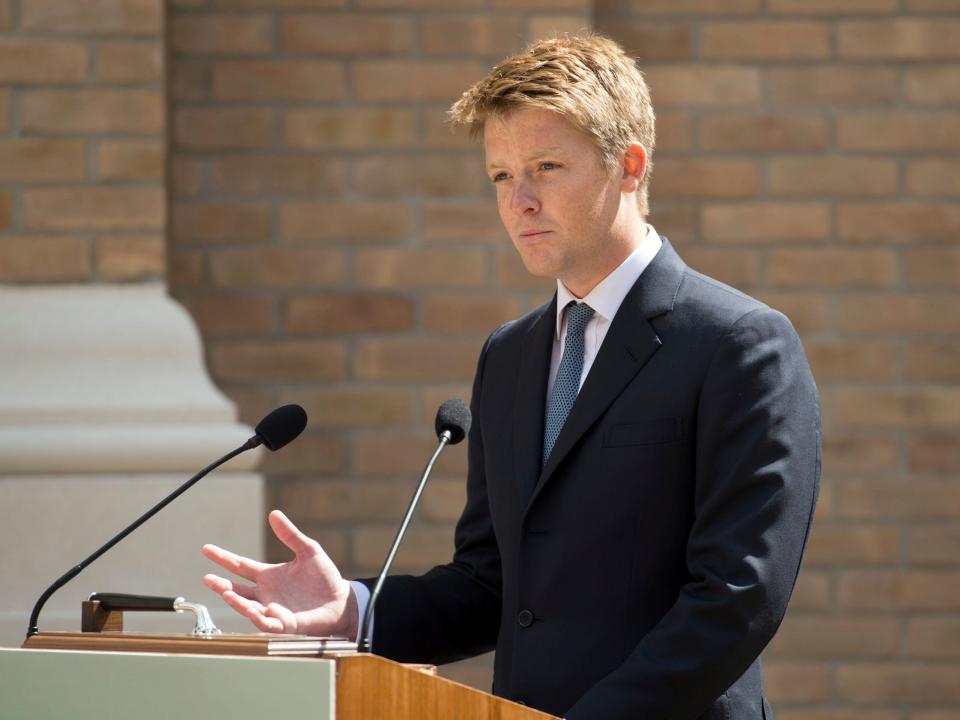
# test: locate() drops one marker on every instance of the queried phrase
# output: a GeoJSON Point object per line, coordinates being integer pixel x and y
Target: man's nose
{"type": "Point", "coordinates": [523, 199]}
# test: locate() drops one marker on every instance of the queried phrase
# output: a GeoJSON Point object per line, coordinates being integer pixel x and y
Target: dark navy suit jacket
{"type": "Point", "coordinates": [642, 570]}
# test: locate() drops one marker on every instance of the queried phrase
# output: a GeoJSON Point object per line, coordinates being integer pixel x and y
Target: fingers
{"type": "Point", "coordinates": [237, 564]}
{"type": "Point", "coordinates": [253, 611]}
{"type": "Point", "coordinates": [221, 585]}
{"type": "Point", "coordinates": [290, 535]}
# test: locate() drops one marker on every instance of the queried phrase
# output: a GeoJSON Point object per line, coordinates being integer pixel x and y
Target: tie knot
{"type": "Point", "coordinates": [577, 317]}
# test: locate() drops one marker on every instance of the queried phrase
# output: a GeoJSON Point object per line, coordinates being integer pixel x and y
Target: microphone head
{"type": "Point", "coordinates": [281, 426]}
{"type": "Point", "coordinates": [453, 416]}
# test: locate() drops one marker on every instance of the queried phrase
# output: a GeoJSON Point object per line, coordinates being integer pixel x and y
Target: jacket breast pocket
{"type": "Point", "coordinates": [648, 432]}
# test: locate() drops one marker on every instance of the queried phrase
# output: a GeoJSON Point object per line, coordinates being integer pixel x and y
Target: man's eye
{"type": "Point", "coordinates": [549, 166]}
{"type": "Point", "coordinates": [499, 176]}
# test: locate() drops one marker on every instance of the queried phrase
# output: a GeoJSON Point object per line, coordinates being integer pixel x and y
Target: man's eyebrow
{"type": "Point", "coordinates": [539, 153]}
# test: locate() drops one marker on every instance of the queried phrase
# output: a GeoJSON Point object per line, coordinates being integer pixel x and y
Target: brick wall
{"type": "Point", "coordinates": [809, 154]}
{"type": "Point", "coordinates": [82, 124]}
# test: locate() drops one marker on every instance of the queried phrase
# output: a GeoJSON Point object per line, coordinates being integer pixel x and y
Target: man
{"type": "Point", "coordinates": [644, 458]}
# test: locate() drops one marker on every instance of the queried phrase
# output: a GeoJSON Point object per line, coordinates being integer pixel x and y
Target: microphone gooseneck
{"type": "Point", "coordinates": [275, 430]}
{"type": "Point", "coordinates": [452, 425]}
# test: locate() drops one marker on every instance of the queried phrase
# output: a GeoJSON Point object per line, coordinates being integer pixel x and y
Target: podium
{"type": "Point", "coordinates": [167, 682]}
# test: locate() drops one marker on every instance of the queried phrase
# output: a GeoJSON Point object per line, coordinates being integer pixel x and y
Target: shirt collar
{"type": "Point", "coordinates": [609, 293]}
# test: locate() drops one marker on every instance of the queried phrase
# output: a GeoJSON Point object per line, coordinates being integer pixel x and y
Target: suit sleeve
{"type": "Point", "coordinates": [757, 476]}
{"type": "Point", "coordinates": [453, 611]}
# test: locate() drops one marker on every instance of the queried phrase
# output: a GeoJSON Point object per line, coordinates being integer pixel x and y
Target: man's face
{"type": "Point", "coordinates": [556, 199]}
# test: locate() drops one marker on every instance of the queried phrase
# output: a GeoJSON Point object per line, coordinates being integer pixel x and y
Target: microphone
{"type": "Point", "coordinates": [452, 425]}
{"type": "Point", "coordinates": [277, 429]}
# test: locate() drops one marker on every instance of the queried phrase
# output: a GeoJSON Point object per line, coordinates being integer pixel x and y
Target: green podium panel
{"type": "Point", "coordinates": [55, 684]}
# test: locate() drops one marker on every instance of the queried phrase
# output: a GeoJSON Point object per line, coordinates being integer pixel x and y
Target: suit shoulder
{"type": "Point", "coordinates": [514, 330]}
{"type": "Point", "coordinates": [708, 301]}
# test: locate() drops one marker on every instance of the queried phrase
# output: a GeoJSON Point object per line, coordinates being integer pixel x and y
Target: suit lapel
{"type": "Point", "coordinates": [630, 342]}
{"type": "Point", "coordinates": [531, 399]}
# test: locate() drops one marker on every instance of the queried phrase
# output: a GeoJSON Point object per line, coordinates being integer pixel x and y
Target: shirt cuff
{"type": "Point", "coordinates": [363, 599]}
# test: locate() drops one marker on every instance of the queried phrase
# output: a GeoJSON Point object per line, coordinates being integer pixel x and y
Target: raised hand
{"type": "Point", "coordinates": [306, 595]}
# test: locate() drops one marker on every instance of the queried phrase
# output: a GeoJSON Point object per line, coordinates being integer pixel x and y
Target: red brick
{"type": "Point", "coordinates": [216, 34]}
{"type": "Point", "coordinates": [277, 80]}
{"type": "Point", "coordinates": [417, 4]}
{"type": "Point", "coordinates": [186, 269]}
{"type": "Point", "coordinates": [276, 268]}
{"type": "Point", "coordinates": [27, 61]}
{"type": "Point", "coordinates": [846, 545]}
{"type": "Point", "coordinates": [844, 636]}
{"type": "Point", "coordinates": [898, 684]}
{"type": "Point", "coordinates": [351, 222]}
{"type": "Point", "coordinates": [892, 499]}
{"type": "Point", "coordinates": [807, 312]}
{"type": "Point", "coordinates": [123, 62]}
{"type": "Point", "coordinates": [312, 454]}
{"type": "Point", "coordinates": [433, 360]}
{"type": "Point", "coordinates": [936, 452]}
{"type": "Point", "coordinates": [933, 638]}
{"type": "Point", "coordinates": [345, 35]}
{"type": "Point", "coordinates": [933, 544]}
{"type": "Point", "coordinates": [796, 682]}
{"type": "Point", "coordinates": [359, 407]}
{"type": "Point", "coordinates": [6, 210]}
{"type": "Point", "coordinates": [832, 176]}
{"type": "Point", "coordinates": [413, 80]}
{"type": "Point", "coordinates": [215, 222]}
{"type": "Point", "coordinates": [933, 85]}
{"type": "Point", "coordinates": [189, 81]}
{"type": "Point", "coordinates": [680, 177]}
{"type": "Point", "coordinates": [4, 110]}
{"type": "Point", "coordinates": [462, 221]}
{"type": "Point", "coordinates": [899, 314]}
{"type": "Point", "coordinates": [94, 208]}
{"type": "Point", "coordinates": [225, 315]}
{"type": "Point", "coordinates": [900, 407]}
{"type": "Point", "coordinates": [857, 361]}
{"type": "Point", "coordinates": [139, 112]}
{"type": "Point", "coordinates": [423, 547]}
{"type": "Point", "coordinates": [812, 591]}
{"type": "Point", "coordinates": [650, 41]}
{"type": "Point", "coordinates": [770, 40]}
{"type": "Point", "coordinates": [831, 7]}
{"type": "Point", "coordinates": [932, 6]}
{"type": "Point", "coordinates": [933, 361]}
{"type": "Point", "coordinates": [39, 258]}
{"type": "Point", "coordinates": [694, 7]}
{"type": "Point", "coordinates": [898, 39]}
{"type": "Point", "coordinates": [933, 268]}
{"type": "Point", "coordinates": [6, 15]}
{"type": "Point", "coordinates": [403, 454]}
{"type": "Point", "coordinates": [845, 452]}
{"type": "Point", "coordinates": [762, 132]}
{"type": "Point", "coordinates": [186, 176]}
{"type": "Point", "coordinates": [334, 501]}
{"type": "Point", "coordinates": [430, 175]}
{"type": "Point", "coordinates": [830, 267]}
{"type": "Point", "coordinates": [832, 85]}
{"type": "Point", "coordinates": [674, 131]}
{"type": "Point", "coordinates": [283, 175]}
{"type": "Point", "coordinates": [903, 590]}
{"type": "Point", "coordinates": [349, 314]}
{"type": "Point", "coordinates": [512, 5]}
{"type": "Point", "coordinates": [443, 501]}
{"type": "Point", "coordinates": [738, 268]}
{"type": "Point", "coordinates": [902, 130]}
{"type": "Point", "coordinates": [898, 222]}
{"type": "Point", "coordinates": [439, 133]}
{"type": "Point", "coordinates": [280, 4]}
{"type": "Point", "coordinates": [130, 257]}
{"type": "Point", "coordinates": [677, 221]}
{"type": "Point", "coordinates": [766, 222]}
{"type": "Point", "coordinates": [281, 360]}
{"type": "Point", "coordinates": [222, 128]}
{"type": "Point", "coordinates": [349, 128]}
{"type": "Point", "coordinates": [25, 161]}
{"type": "Point", "coordinates": [933, 176]}
{"type": "Point", "coordinates": [550, 25]}
{"type": "Point", "coordinates": [386, 269]}
{"type": "Point", "coordinates": [696, 85]}
{"type": "Point", "coordinates": [467, 313]}
{"type": "Point", "coordinates": [92, 17]}
{"type": "Point", "coordinates": [131, 160]}
{"type": "Point", "coordinates": [486, 34]}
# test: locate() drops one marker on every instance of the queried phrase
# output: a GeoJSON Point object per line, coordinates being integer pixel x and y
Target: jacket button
{"type": "Point", "coordinates": [525, 618]}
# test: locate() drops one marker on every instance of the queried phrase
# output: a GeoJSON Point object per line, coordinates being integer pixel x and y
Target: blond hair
{"type": "Point", "coordinates": [588, 79]}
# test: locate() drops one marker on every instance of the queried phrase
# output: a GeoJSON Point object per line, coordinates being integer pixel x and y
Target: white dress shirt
{"type": "Point", "coordinates": [605, 299]}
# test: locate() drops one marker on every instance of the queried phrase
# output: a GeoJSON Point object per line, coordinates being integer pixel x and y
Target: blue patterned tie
{"type": "Point", "coordinates": [567, 384]}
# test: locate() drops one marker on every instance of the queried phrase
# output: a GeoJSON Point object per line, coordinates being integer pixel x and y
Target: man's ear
{"type": "Point", "coordinates": [634, 167]}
